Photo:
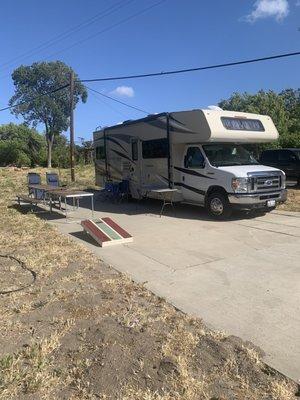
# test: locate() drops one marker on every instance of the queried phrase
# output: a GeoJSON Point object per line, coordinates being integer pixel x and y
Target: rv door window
{"type": "Point", "coordinates": [242, 124]}
{"type": "Point", "coordinates": [100, 153]}
{"type": "Point", "coordinates": [134, 150]}
{"type": "Point", "coordinates": [194, 158]}
{"type": "Point", "coordinates": [157, 148]}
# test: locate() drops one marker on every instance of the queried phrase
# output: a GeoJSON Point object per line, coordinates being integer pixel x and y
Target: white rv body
{"type": "Point", "coordinates": [187, 150]}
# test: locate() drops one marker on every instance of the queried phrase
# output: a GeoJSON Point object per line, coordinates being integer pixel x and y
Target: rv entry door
{"type": "Point", "coordinates": [135, 183]}
{"type": "Point", "coordinates": [193, 180]}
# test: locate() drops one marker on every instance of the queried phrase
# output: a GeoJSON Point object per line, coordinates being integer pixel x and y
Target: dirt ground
{"type": "Point", "coordinates": [83, 331]}
{"type": "Point", "coordinates": [293, 200]}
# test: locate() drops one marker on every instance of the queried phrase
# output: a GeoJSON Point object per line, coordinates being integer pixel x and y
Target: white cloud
{"type": "Point", "coordinates": [125, 91]}
{"type": "Point", "coordinates": [277, 9]}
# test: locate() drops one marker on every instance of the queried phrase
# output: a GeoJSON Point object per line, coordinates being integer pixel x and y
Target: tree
{"type": "Point", "coordinates": [84, 151]}
{"type": "Point", "coordinates": [266, 103]}
{"type": "Point", "coordinates": [21, 145]}
{"type": "Point", "coordinates": [53, 110]}
{"type": "Point", "coordinates": [11, 152]}
{"type": "Point", "coordinates": [291, 100]}
{"type": "Point", "coordinates": [61, 157]}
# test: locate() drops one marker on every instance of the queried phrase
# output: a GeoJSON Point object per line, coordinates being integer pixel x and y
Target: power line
{"type": "Point", "coordinates": [69, 32]}
{"type": "Point", "coordinates": [108, 28]}
{"type": "Point", "coordinates": [35, 97]}
{"type": "Point", "coordinates": [118, 101]}
{"type": "Point", "coordinates": [172, 72]}
{"type": "Point", "coordinates": [182, 71]}
{"type": "Point", "coordinates": [108, 105]}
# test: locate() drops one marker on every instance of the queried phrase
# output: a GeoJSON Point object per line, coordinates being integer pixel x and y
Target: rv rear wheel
{"type": "Point", "coordinates": [218, 205]}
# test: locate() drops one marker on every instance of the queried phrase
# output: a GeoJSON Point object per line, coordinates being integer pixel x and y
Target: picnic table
{"type": "Point", "coordinates": [165, 194]}
{"type": "Point", "coordinates": [44, 189]}
{"type": "Point", "coordinates": [62, 193]}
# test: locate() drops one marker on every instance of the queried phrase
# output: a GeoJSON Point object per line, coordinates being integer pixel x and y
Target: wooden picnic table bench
{"type": "Point", "coordinates": [27, 199]}
{"type": "Point", "coordinates": [43, 191]}
{"type": "Point", "coordinates": [46, 188]}
{"type": "Point", "coordinates": [51, 193]}
{"type": "Point", "coordinates": [74, 194]}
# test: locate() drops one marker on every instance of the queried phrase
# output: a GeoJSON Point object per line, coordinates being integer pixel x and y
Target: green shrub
{"type": "Point", "coordinates": [11, 152]}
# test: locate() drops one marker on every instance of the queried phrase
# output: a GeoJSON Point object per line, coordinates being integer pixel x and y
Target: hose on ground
{"type": "Point", "coordinates": [23, 266]}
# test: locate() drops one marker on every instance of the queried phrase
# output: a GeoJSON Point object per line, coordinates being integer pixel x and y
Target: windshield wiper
{"type": "Point", "coordinates": [228, 165]}
{"type": "Point", "coordinates": [249, 163]}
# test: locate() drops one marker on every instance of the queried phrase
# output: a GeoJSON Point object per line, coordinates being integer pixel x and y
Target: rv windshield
{"type": "Point", "coordinates": [221, 155]}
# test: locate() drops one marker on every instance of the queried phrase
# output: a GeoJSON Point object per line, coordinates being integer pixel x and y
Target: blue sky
{"type": "Point", "coordinates": [174, 34]}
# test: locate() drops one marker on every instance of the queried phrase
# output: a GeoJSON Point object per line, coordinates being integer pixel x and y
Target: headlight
{"type": "Point", "coordinates": [283, 180]}
{"type": "Point", "coordinates": [240, 185]}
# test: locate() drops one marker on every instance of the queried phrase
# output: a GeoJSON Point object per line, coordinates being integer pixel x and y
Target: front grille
{"type": "Point", "coordinates": [268, 182]}
{"type": "Point", "coordinates": [263, 182]}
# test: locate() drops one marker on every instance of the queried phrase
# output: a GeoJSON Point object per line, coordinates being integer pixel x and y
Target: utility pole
{"type": "Point", "coordinates": [72, 148]}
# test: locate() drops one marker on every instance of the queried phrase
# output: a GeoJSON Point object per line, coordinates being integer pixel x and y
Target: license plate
{"type": "Point", "coordinates": [271, 203]}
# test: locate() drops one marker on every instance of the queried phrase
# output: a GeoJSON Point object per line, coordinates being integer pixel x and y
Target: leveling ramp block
{"type": "Point", "coordinates": [106, 232]}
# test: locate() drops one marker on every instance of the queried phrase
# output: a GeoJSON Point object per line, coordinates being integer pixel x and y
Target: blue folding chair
{"type": "Point", "coordinates": [111, 191]}
{"type": "Point", "coordinates": [52, 179]}
{"type": "Point", "coordinates": [33, 178]}
{"type": "Point", "coordinates": [124, 189]}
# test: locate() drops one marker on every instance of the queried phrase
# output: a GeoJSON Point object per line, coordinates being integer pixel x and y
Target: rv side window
{"type": "Point", "coordinates": [157, 148]}
{"type": "Point", "coordinates": [134, 150]}
{"type": "Point", "coordinates": [100, 153]}
{"type": "Point", "coordinates": [242, 124]}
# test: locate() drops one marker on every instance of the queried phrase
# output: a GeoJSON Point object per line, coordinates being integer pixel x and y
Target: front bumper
{"type": "Point", "coordinates": [256, 200]}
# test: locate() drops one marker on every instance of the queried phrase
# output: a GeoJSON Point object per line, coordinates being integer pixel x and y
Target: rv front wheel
{"type": "Point", "coordinates": [218, 205]}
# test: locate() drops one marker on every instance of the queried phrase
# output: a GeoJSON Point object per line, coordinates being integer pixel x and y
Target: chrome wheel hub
{"type": "Point", "coordinates": [216, 206]}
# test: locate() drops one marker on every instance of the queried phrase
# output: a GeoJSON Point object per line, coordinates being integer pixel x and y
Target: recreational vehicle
{"type": "Point", "coordinates": [199, 152]}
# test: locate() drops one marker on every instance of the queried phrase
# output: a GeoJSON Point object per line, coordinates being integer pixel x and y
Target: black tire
{"type": "Point", "coordinates": [218, 205]}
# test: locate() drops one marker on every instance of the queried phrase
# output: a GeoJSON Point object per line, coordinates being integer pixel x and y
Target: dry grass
{"type": "Point", "coordinates": [82, 331]}
{"type": "Point", "coordinates": [31, 369]}
{"type": "Point", "coordinates": [293, 201]}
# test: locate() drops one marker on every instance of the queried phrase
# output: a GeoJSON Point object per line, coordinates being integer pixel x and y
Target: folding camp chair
{"type": "Point", "coordinates": [33, 178]}
{"type": "Point", "coordinates": [112, 191]}
{"type": "Point", "coordinates": [52, 179]}
{"type": "Point", "coordinates": [108, 190]}
{"type": "Point", "coordinates": [124, 190]}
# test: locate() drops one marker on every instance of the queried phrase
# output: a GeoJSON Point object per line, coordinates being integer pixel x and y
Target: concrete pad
{"type": "Point", "coordinates": [241, 276]}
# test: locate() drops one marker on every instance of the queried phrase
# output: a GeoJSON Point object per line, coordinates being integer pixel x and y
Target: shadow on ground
{"type": "Point", "coordinates": [150, 207]}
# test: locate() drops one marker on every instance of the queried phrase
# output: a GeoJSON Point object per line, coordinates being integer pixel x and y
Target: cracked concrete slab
{"type": "Point", "coordinates": [241, 276]}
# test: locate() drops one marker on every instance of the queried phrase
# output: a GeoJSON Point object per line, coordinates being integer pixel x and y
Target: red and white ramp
{"type": "Point", "coordinates": [106, 232]}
